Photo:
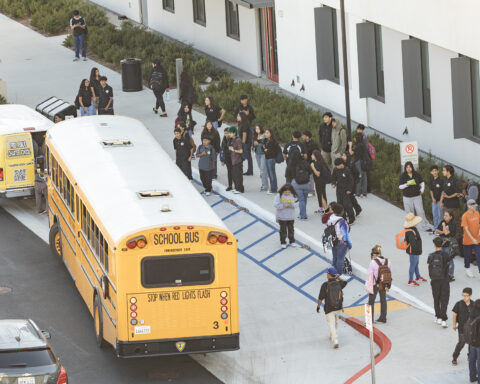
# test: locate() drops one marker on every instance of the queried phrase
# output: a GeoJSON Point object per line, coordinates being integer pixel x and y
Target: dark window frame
{"type": "Point", "coordinates": [426, 91]}
{"type": "Point", "coordinates": [210, 281]}
{"type": "Point", "coordinates": [475, 73]}
{"type": "Point", "coordinates": [199, 17]}
{"type": "Point", "coordinates": [379, 64]}
{"type": "Point", "coordinates": [169, 5]}
{"type": "Point", "coordinates": [336, 58]}
{"type": "Point", "coordinates": [228, 16]}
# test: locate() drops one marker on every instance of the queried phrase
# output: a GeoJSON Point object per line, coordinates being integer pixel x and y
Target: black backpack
{"type": "Point", "coordinates": [473, 184]}
{"type": "Point", "coordinates": [470, 331]}
{"type": "Point", "coordinates": [77, 103]}
{"type": "Point", "coordinates": [334, 295]}
{"type": "Point", "coordinates": [436, 268]}
{"type": "Point", "coordinates": [302, 176]}
{"type": "Point", "coordinates": [330, 235]}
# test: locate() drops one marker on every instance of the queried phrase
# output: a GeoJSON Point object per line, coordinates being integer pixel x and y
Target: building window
{"type": "Point", "coordinates": [169, 5]}
{"type": "Point", "coordinates": [427, 110]}
{"type": "Point", "coordinates": [326, 40]}
{"type": "Point", "coordinates": [233, 25]}
{"type": "Point", "coordinates": [199, 16]}
{"type": "Point", "coordinates": [475, 73]}
{"type": "Point", "coordinates": [379, 61]}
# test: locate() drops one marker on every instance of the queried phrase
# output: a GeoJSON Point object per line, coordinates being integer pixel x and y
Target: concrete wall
{"type": "Point", "coordinates": [297, 57]}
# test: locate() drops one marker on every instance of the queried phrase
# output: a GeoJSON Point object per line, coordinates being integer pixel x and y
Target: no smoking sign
{"type": "Point", "coordinates": [409, 152]}
{"type": "Point", "coordinates": [410, 148]}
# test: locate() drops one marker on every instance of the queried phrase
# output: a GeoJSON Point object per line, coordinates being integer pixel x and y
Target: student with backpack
{"type": "Point", "coordinates": [183, 152]}
{"type": "Point", "coordinates": [321, 176]}
{"type": "Point", "coordinates": [350, 165]}
{"type": "Point", "coordinates": [300, 172]}
{"type": "Point", "coordinates": [226, 158]}
{"type": "Point", "coordinates": [380, 274]}
{"type": "Point", "coordinates": [337, 235]}
{"type": "Point", "coordinates": [412, 244]}
{"type": "Point", "coordinates": [342, 181]}
{"type": "Point", "coordinates": [438, 270]}
{"type": "Point", "coordinates": [461, 313]}
{"type": "Point", "coordinates": [289, 150]}
{"type": "Point", "coordinates": [332, 292]}
{"type": "Point", "coordinates": [207, 162]}
{"type": "Point", "coordinates": [472, 337]}
{"type": "Point", "coordinates": [158, 83]}
{"type": "Point", "coordinates": [284, 203]}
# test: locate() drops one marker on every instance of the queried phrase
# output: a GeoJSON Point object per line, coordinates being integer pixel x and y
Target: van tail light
{"type": "Point", "coordinates": [62, 376]}
{"type": "Point", "coordinates": [217, 237]}
{"type": "Point", "coordinates": [1, 174]}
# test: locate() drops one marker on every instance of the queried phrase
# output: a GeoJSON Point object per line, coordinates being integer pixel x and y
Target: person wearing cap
{"type": "Point", "coordinates": [332, 311]}
{"type": "Point", "coordinates": [461, 312]}
{"type": "Point", "coordinates": [414, 248]}
{"type": "Point", "coordinates": [377, 261]}
{"type": "Point", "coordinates": [342, 181]}
{"type": "Point", "coordinates": [471, 235]}
{"type": "Point", "coordinates": [438, 262]}
{"type": "Point", "coordinates": [474, 347]}
{"type": "Point", "coordinates": [236, 150]}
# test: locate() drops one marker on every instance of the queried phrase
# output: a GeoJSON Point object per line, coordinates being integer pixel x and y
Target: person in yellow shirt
{"type": "Point", "coordinates": [471, 235]}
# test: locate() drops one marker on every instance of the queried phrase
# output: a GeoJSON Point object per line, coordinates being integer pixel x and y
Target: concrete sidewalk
{"type": "Point", "coordinates": [36, 67]}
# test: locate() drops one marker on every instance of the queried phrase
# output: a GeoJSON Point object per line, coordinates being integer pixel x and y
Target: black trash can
{"type": "Point", "coordinates": [131, 75]}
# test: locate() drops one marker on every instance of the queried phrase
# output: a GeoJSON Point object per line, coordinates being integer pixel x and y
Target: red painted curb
{"type": "Point", "coordinates": [378, 337]}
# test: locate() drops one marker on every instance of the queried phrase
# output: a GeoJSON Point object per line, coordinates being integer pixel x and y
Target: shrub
{"type": "Point", "coordinates": [3, 100]}
{"type": "Point", "coordinates": [113, 45]}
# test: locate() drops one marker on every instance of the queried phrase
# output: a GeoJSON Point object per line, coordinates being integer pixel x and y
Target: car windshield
{"type": "Point", "coordinates": [26, 358]}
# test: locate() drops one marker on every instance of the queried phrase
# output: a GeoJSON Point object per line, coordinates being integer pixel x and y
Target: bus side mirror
{"type": "Point", "coordinates": [105, 287]}
{"type": "Point", "coordinates": [47, 334]}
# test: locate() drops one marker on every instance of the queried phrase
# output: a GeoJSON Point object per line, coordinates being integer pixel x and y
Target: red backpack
{"type": "Point", "coordinates": [371, 151]}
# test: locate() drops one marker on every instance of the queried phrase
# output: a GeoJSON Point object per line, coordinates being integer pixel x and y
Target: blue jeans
{"type": "Point", "coordinates": [215, 124]}
{"type": "Point", "coordinates": [272, 176]}
{"type": "Point", "coordinates": [90, 110]}
{"type": "Point", "coordinates": [79, 41]}
{"type": "Point", "coordinates": [437, 213]}
{"type": "Point", "coordinates": [339, 252]}
{"type": "Point", "coordinates": [361, 187]}
{"type": "Point", "coordinates": [474, 363]}
{"type": "Point", "coordinates": [414, 259]}
{"type": "Point", "coordinates": [262, 166]}
{"type": "Point", "coordinates": [302, 192]}
{"type": "Point", "coordinates": [467, 251]}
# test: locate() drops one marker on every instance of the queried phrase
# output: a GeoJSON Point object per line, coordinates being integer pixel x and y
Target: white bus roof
{"type": "Point", "coordinates": [16, 118]}
{"type": "Point", "coordinates": [111, 177]}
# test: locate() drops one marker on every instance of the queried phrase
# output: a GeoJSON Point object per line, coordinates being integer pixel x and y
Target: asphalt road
{"type": "Point", "coordinates": [34, 284]}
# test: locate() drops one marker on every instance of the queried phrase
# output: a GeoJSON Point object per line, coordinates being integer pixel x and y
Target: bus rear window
{"type": "Point", "coordinates": [171, 271]}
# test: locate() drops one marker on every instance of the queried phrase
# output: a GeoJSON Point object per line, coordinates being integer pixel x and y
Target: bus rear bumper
{"type": "Point", "coordinates": [178, 346]}
{"type": "Point", "coordinates": [17, 192]}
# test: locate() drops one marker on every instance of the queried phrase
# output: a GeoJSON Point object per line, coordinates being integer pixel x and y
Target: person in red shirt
{"type": "Point", "coordinates": [471, 235]}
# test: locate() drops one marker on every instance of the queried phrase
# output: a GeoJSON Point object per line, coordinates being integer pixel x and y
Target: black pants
{"type": "Point", "coordinates": [159, 95]}
{"type": "Point", "coordinates": [441, 295]}
{"type": "Point", "coordinates": [346, 202]}
{"type": "Point", "coordinates": [355, 204]}
{"type": "Point", "coordinates": [102, 111]}
{"type": "Point", "coordinates": [228, 164]}
{"type": "Point", "coordinates": [186, 167]}
{"type": "Point", "coordinates": [459, 346]}
{"type": "Point", "coordinates": [206, 177]}
{"type": "Point", "coordinates": [248, 148]}
{"type": "Point", "coordinates": [286, 228]}
{"type": "Point", "coordinates": [237, 176]}
{"type": "Point", "coordinates": [383, 302]}
{"type": "Point", "coordinates": [321, 193]}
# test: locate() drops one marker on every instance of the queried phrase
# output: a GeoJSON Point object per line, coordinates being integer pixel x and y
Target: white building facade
{"type": "Point", "coordinates": [412, 65]}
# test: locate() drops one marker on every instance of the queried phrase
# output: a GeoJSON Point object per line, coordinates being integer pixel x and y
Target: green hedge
{"type": "Point", "coordinates": [52, 16]}
{"type": "Point", "coordinates": [3, 100]}
{"type": "Point", "coordinates": [273, 109]}
{"type": "Point", "coordinates": [112, 45]}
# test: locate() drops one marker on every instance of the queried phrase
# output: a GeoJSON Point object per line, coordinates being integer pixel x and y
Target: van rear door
{"type": "Point", "coordinates": [19, 166]}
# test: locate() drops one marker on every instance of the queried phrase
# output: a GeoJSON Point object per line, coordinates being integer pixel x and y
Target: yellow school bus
{"type": "Point", "coordinates": [154, 264]}
{"type": "Point", "coordinates": [22, 132]}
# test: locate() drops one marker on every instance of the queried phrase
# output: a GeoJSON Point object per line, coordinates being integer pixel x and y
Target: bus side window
{"type": "Point", "coordinates": [84, 219]}
{"type": "Point", "coordinates": [100, 250]}
{"type": "Point", "coordinates": [66, 194]}
{"type": "Point", "coordinates": [89, 231]}
{"type": "Point", "coordinates": [72, 199]}
{"type": "Point", "coordinates": [105, 247]}
{"type": "Point", "coordinates": [77, 208]}
{"type": "Point", "coordinates": [54, 171]}
{"type": "Point", "coordinates": [96, 242]}
{"type": "Point", "coordinates": [47, 158]}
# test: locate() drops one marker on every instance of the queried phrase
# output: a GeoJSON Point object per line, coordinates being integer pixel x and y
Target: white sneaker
{"type": "Point", "coordinates": [284, 246]}
{"type": "Point", "coordinates": [76, 59]}
{"type": "Point", "coordinates": [207, 193]}
{"type": "Point", "coordinates": [444, 324]}
{"type": "Point", "coordinates": [310, 194]}
{"type": "Point", "coordinates": [294, 245]}
{"type": "Point", "coordinates": [269, 193]}
{"type": "Point", "coordinates": [439, 321]}
{"type": "Point", "coordinates": [84, 59]}
{"type": "Point", "coordinates": [468, 271]}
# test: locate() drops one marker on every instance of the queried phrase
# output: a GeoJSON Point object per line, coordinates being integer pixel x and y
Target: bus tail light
{"type": "Point", "coordinates": [217, 237]}
{"type": "Point", "coordinates": [1, 174]}
{"type": "Point", "coordinates": [139, 242]}
{"type": "Point", "coordinates": [133, 300]}
{"type": "Point", "coordinates": [133, 314]}
{"type": "Point", "coordinates": [133, 307]}
{"type": "Point", "coordinates": [190, 227]}
{"type": "Point", "coordinates": [62, 376]}
{"type": "Point", "coordinates": [224, 301]}
{"type": "Point", "coordinates": [176, 228]}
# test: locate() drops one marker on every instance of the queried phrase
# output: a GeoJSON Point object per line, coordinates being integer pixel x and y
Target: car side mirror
{"type": "Point", "coordinates": [47, 334]}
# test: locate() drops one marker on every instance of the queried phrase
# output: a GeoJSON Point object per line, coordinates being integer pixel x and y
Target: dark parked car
{"type": "Point", "coordinates": [26, 357]}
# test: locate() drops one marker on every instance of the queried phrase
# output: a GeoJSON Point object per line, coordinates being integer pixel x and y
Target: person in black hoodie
{"type": "Point", "coordinates": [348, 161]}
{"type": "Point", "coordinates": [212, 133]}
{"type": "Point", "coordinates": [414, 247]}
{"type": "Point", "coordinates": [325, 135]}
{"type": "Point", "coordinates": [412, 185]}
{"type": "Point", "coordinates": [185, 114]}
{"type": "Point", "coordinates": [187, 90]}
{"type": "Point", "coordinates": [158, 83]}
{"type": "Point", "coordinates": [343, 182]}
{"type": "Point", "coordinates": [360, 160]}
{"type": "Point", "coordinates": [474, 348]}
{"type": "Point", "coordinates": [321, 177]}
{"type": "Point", "coordinates": [271, 149]}
{"type": "Point", "coordinates": [226, 158]}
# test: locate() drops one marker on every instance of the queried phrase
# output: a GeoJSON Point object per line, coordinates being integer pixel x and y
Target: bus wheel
{"type": "Point", "coordinates": [98, 322]}
{"type": "Point", "coordinates": [55, 241]}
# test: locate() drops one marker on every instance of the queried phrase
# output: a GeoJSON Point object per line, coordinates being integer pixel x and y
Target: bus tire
{"type": "Point", "coordinates": [98, 322]}
{"type": "Point", "coordinates": [55, 241]}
